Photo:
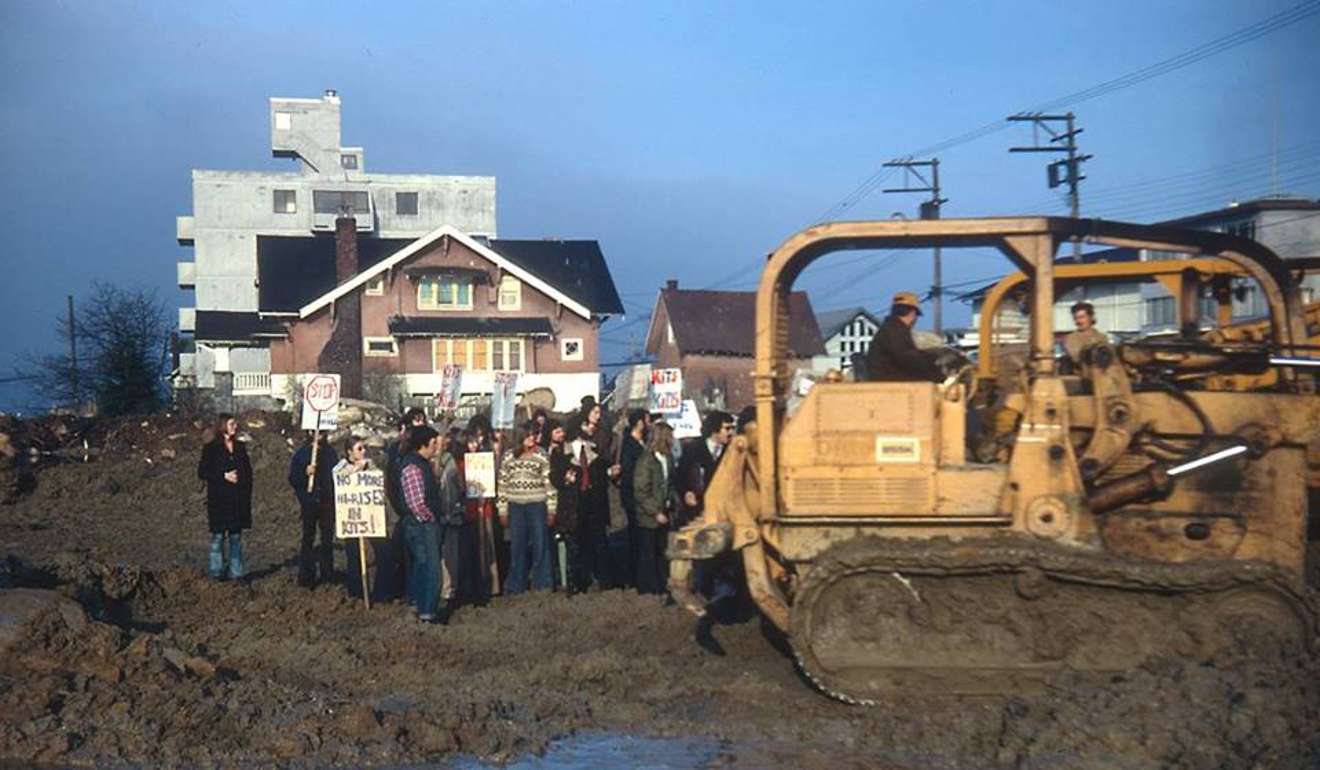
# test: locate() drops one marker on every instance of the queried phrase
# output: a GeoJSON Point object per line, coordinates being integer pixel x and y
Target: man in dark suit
{"type": "Point", "coordinates": [698, 462]}
{"type": "Point", "coordinates": [893, 356]}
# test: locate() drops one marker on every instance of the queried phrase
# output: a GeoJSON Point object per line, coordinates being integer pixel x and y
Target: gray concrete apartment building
{"type": "Point", "coordinates": [231, 209]}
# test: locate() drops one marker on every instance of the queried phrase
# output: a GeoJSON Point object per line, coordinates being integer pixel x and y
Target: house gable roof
{"type": "Point", "coordinates": [724, 322]}
{"type": "Point", "coordinates": [576, 267]}
{"type": "Point", "coordinates": [295, 270]}
{"type": "Point", "coordinates": [421, 244]}
{"type": "Point", "coordinates": [831, 322]}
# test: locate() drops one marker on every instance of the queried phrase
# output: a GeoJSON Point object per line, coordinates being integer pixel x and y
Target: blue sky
{"type": "Point", "coordinates": [688, 138]}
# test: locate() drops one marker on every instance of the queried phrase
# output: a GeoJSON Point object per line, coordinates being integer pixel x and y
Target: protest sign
{"type": "Point", "coordinates": [451, 387]}
{"type": "Point", "coordinates": [360, 513]}
{"type": "Point", "coordinates": [504, 400]}
{"type": "Point", "coordinates": [687, 424]}
{"type": "Point", "coordinates": [360, 504]}
{"type": "Point", "coordinates": [666, 391]}
{"type": "Point", "coordinates": [479, 472]}
{"type": "Point", "coordinates": [320, 403]}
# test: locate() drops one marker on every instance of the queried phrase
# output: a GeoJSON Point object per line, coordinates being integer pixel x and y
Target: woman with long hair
{"type": "Point", "coordinates": [480, 510]}
{"type": "Point", "coordinates": [564, 477]}
{"type": "Point", "coordinates": [655, 499]}
{"type": "Point", "coordinates": [227, 471]}
{"type": "Point", "coordinates": [354, 459]}
{"type": "Point", "coordinates": [526, 502]}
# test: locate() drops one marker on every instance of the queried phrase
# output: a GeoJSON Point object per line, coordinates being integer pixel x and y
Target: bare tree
{"type": "Point", "coordinates": [123, 354]}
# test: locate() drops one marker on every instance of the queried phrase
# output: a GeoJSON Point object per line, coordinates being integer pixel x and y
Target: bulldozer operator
{"type": "Point", "coordinates": [893, 356]}
{"type": "Point", "coordinates": [1086, 335]}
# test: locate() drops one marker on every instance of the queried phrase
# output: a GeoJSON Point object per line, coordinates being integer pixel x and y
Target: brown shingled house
{"type": "Point", "coordinates": [711, 336]}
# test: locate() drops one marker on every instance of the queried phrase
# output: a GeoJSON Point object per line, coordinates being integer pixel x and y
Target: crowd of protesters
{"type": "Point", "coordinates": [545, 526]}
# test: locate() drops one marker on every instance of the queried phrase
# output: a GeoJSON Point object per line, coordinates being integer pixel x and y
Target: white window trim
{"type": "Point", "coordinates": [564, 355]}
{"type": "Point", "coordinates": [376, 286]}
{"type": "Point", "coordinates": [436, 305]}
{"type": "Point", "coordinates": [469, 347]}
{"type": "Point", "coordinates": [516, 287]}
{"type": "Point", "coordinates": [367, 351]}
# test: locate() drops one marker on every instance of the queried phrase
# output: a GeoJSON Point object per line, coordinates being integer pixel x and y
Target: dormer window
{"type": "Point", "coordinates": [443, 292]}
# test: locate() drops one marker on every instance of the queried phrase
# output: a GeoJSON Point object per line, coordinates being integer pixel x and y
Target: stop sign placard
{"type": "Point", "coordinates": [322, 393]}
{"type": "Point", "coordinates": [320, 403]}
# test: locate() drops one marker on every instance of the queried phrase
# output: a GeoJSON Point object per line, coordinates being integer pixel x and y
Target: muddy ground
{"type": "Point", "coordinates": [158, 666]}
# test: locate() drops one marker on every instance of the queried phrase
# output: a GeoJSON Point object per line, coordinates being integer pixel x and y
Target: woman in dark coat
{"type": "Point", "coordinates": [228, 475]}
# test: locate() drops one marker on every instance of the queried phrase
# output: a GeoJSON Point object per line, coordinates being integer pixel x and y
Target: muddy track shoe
{"type": "Point", "coordinates": [876, 618]}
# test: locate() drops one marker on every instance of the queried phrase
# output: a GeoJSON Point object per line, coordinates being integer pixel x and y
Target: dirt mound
{"type": "Point", "coordinates": [147, 661]}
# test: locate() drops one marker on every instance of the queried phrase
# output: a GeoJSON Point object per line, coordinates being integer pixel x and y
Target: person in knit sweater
{"type": "Point", "coordinates": [526, 499]}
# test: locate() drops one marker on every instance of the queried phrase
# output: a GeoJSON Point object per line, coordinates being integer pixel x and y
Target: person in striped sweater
{"type": "Point", "coordinates": [525, 500]}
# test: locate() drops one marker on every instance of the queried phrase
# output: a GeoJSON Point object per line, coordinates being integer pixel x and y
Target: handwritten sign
{"type": "Point", "coordinates": [320, 403]}
{"type": "Point", "coordinates": [451, 387]}
{"type": "Point", "coordinates": [666, 391]}
{"type": "Point", "coordinates": [688, 422]}
{"type": "Point", "coordinates": [360, 504]}
{"type": "Point", "coordinates": [504, 400]}
{"type": "Point", "coordinates": [479, 474]}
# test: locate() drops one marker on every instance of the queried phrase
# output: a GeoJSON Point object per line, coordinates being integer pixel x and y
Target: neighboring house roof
{"type": "Point", "coordinates": [831, 322]}
{"type": "Point", "coordinates": [420, 245]}
{"type": "Point", "coordinates": [226, 326]}
{"type": "Point", "coordinates": [724, 322]}
{"type": "Point", "coordinates": [403, 326]}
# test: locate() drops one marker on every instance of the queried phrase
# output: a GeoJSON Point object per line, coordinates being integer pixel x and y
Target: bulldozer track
{"type": "Point", "coordinates": [902, 567]}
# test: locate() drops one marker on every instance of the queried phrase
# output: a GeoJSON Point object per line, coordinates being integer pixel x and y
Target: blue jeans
{"type": "Point", "coordinates": [217, 566]}
{"type": "Point", "coordinates": [423, 539]}
{"type": "Point", "coordinates": [530, 542]}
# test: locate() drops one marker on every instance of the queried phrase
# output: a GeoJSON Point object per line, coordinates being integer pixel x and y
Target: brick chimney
{"type": "Point", "coordinates": [342, 353]}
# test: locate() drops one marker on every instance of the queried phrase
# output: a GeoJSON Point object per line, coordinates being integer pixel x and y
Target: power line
{"type": "Point", "coordinates": [1218, 45]}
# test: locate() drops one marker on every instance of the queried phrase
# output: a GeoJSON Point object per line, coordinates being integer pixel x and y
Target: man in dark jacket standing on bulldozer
{"type": "Point", "coordinates": [893, 356]}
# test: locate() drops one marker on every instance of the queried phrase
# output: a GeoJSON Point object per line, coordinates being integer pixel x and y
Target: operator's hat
{"type": "Point", "coordinates": [908, 298]}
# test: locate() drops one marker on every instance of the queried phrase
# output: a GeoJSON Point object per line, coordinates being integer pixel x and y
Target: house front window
{"type": "Point", "coordinates": [379, 346]}
{"type": "Point", "coordinates": [444, 293]}
{"type": "Point", "coordinates": [376, 285]}
{"type": "Point", "coordinates": [479, 354]}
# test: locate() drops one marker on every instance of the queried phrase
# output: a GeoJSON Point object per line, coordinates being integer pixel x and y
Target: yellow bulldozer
{"type": "Point", "coordinates": [1136, 511]}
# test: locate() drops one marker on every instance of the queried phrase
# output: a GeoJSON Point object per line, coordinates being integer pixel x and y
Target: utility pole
{"type": "Point", "coordinates": [73, 355]}
{"type": "Point", "coordinates": [929, 210]}
{"type": "Point", "coordinates": [1066, 171]}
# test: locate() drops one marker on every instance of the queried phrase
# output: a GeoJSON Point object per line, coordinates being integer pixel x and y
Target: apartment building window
{"type": "Point", "coordinates": [510, 293]}
{"type": "Point", "coordinates": [379, 346]}
{"type": "Point", "coordinates": [1245, 228]}
{"type": "Point", "coordinates": [286, 201]}
{"type": "Point", "coordinates": [479, 355]}
{"type": "Point", "coordinates": [405, 204]}
{"type": "Point", "coordinates": [348, 162]}
{"type": "Point", "coordinates": [444, 293]}
{"type": "Point", "coordinates": [1161, 311]}
{"type": "Point", "coordinates": [334, 201]}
